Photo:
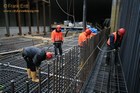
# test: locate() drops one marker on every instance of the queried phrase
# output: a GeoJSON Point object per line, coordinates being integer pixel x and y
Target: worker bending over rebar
{"type": "Point", "coordinates": [34, 56]}
{"type": "Point", "coordinates": [114, 42]}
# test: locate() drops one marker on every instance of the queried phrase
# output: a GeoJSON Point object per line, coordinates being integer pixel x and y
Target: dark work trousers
{"type": "Point", "coordinates": [108, 58]}
{"type": "Point", "coordinates": [108, 55]}
{"type": "Point", "coordinates": [29, 61]}
{"type": "Point", "coordinates": [58, 46]}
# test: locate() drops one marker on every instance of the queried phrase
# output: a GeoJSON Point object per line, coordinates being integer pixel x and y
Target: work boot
{"type": "Point", "coordinates": [34, 77]}
{"type": "Point", "coordinates": [29, 73]}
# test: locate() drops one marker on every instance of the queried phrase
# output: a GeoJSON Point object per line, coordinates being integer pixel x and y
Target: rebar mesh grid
{"type": "Point", "coordinates": [17, 43]}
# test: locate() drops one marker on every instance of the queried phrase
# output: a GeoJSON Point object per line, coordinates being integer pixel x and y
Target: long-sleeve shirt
{"type": "Point", "coordinates": [37, 55]}
{"type": "Point", "coordinates": [82, 37]}
{"type": "Point", "coordinates": [56, 36]}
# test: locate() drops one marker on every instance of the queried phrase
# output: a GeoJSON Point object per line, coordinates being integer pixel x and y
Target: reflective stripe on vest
{"type": "Point", "coordinates": [56, 36]}
{"type": "Point", "coordinates": [115, 38]}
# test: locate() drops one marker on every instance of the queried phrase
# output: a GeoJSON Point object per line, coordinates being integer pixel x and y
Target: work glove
{"type": "Point", "coordinates": [62, 42]}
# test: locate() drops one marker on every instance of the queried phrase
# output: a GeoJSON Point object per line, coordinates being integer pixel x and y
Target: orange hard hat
{"type": "Point", "coordinates": [122, 31]}
{"type": "Point", "coordinates": [58, 27]}
{"type": "Point", "coordinates": [49, 55]}
{"type": "Point", "coordinates": [88, 31]}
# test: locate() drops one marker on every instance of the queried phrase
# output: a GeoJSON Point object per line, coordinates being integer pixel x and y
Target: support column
{"type": "Point", "coordinates": [84, 14]}
{"type": "Point", "coordinates": [114, 15]}
{"type": "Point", "coordinates": [117, 14]}
{"type": "Point", "coordinates": [44, 18]}
{"type": "Point", "coordinates": [19, 20]}
{"type": "Point", "coordinates": [37, 16]}
{"type": "Point", "coordinates": [6, 20]}
{"type": "Point", "coordinates": [29, 18]}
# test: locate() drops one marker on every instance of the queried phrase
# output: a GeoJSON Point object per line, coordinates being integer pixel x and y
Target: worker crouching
{"type": "Point", "coordinates": [33, 57]}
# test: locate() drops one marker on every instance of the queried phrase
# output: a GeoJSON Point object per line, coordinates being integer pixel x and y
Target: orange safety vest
{"type": "Point", "coordinates": [115, 38]}
{"type": "Point", "coordinates": [91, 35]}
{"type": "Point", "coordinates": [82, 37]}
{"type": "Point", "coordinates": [56, 36]}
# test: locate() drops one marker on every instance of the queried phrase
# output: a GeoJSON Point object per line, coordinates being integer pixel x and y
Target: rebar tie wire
{"type": "Point", "coordinates": [113, 50]}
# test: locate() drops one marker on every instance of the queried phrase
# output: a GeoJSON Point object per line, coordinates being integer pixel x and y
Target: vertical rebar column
{"type": "Point", "coordinates": [77, 64]}
{"type": "Point", "coordinates": [29, 18]}
{"type": "Point", "coordinates": [44, 18]}
{"type": "Point", "coordinates": [60, 75]}
{"type": "Point", "coordinates": [63, 77]}
{"type": "Point", "coordinates": [37, 16]}
{"type": "Point", "coordinates": [84, 14]}
{"type": "Point", "coordinates": [48, 78]}
{"type": "Point", "coordinates": [64, 72]}
{"type": "Point", "coordinates": [73, 68]}
{"type": "Point", "coordinates": [27, 86]}
{"type": "Point", "coordinates": [69, 69]}
{"type": "Point", "coordinates": [19, 19]}
{"type": "Point", "coordinates": [39, 73]}
{"type": "Point", "coordinates": [12, 86]}
{"type": "Point", "coordinates": [54, 75]}
{"type": "Point", "coordinates": [6, 19]}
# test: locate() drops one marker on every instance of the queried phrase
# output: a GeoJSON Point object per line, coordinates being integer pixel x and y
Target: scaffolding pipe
{"type": "Point", "coordinates": [6, 19]}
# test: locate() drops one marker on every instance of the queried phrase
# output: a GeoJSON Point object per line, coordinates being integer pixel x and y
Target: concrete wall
{"type": "Point", "coordinates": [25, 30]}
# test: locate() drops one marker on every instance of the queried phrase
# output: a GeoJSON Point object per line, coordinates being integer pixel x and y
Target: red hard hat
{"type": "Point", "coordinates": [58, 27]}
{"type": "Point", "coordinates": [88, 31]}
{"type": "Point", "coordinates": [49, 55]}
{"type": "Point", "coordinates": [122, 31]}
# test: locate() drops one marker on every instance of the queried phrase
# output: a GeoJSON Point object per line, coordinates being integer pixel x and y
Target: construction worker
{"type": "Point", "coordinates": [57, 39]}
{"type": "Point", "coordinates": [34, 56]}
{"type": "Point", "coordinates": [83, 36]}
{"type": "Point", "coordinates": [114, 41]}
{"type": "Point", "coordinates": [93, 31]}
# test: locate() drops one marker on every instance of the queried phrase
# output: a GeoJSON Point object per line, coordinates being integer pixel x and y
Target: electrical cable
{"type": "Point", "coordinates": [66, 12]}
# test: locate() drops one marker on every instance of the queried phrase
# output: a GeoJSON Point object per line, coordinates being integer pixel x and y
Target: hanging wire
{"type": "Point", "coordinates": [66, 12]}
